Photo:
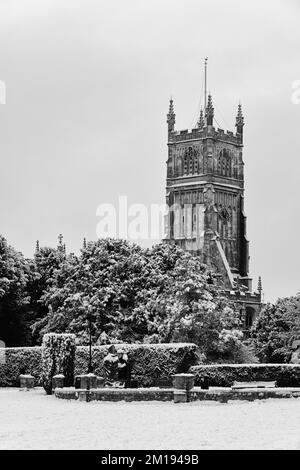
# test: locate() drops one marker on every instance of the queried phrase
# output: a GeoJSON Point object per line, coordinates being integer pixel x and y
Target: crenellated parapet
{"type": "Point", "coordinates": [203, 133]}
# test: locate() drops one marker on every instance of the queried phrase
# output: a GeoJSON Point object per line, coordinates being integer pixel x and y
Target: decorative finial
{"type": "Point", "coordinates": [37, 247]}
{"type": "Point", "coordinates": [60, 239]}
{"type": "Point", "coordinates": [239, 124]}
{"type": "Point", "coordinates": [240, 117]}
{"type": "Point", "coordinates": [171, 116]}
{"type": "Point", "coordinates": [209, 112]}
{"type": "Point", "coordinates": [201, 122]}
{"type": "Point", "coordinates": [259, 285]}
{"type": "Point", "coordinates": [84, 243]}
{"type": "Point", "coordinates": [61, 247]}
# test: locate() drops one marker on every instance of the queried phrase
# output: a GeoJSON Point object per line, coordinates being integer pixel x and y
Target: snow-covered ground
{"type": "Point", "coordinates": [32, 420]}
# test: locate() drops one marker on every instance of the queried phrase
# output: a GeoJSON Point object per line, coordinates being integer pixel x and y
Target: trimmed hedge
{"type": "Point", "coordinates": [223, 375]}
{"type": "Point", "coordinates": [58, 357]}
{"type": "Point", "coordinates": [149, 362]}
{"type": "Point", "coordinates": [17, 360]}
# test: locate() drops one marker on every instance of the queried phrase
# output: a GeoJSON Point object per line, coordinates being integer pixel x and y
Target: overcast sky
{"type": "Point", "coordinates": [87, 90]}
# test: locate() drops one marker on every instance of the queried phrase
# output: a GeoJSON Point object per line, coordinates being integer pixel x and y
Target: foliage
{"type": "Point", "coordinates": [197, 310]}
{"type": "Point", "coordinates": [286, 375]}
{"type": "Point", "coordinates": [156, 295]}
{"type": "Point", "coordinates": [275, 330]}
{"type": "Point", "coordinates": [14, 275]}
{"type": "Point", "coordinates": [42, 268]}
{"type": "Point", "coordinates": [137, 295]}
{"type": "Point", "coordinates": [23, 283]}
{"type": "Point", "coordinates": [58, 357]}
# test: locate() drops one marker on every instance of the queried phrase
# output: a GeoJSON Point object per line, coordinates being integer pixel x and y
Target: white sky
{"type": "Point", "coordinates": [88, 84]}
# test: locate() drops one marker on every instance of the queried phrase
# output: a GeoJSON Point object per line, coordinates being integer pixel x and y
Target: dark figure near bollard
{"type": "Point", "coordinates": [117, 368]}
{"type": "Point", "coordinates": [110, 363]}
{"type": "Point", "coordinates": [123, 369]}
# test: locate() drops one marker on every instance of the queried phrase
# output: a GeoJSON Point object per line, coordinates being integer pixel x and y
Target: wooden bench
{"type": "Point", "coordinates": [265, 384]}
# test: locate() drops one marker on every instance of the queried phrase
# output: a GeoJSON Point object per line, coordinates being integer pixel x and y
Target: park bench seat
{"type": "Point", "coordinates": [264, 384]}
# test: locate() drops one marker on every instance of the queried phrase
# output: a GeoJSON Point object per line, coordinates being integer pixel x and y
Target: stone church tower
{"type": "Point", "coordinates": [205, 196]}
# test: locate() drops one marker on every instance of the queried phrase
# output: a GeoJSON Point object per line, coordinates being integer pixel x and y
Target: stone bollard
{"type": "Point", "coordinates": [58, 381]}
{"type": "Point", "coordinates": [26, 381]}
{"type": "Point", "coordinates": [180, 396]}
{"type": "Point", "coordinates": [82, 396]}
{"type": "Point", "coordinates": [86, 381]}
{"type": "Point", "coordinates": [183, 384]}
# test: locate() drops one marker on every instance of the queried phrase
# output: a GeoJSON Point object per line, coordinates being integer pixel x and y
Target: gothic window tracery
{"type": "Point", "coordinates": [196, 164]}
{"type": "Point", "coordinates": [185, 164]}
{"type": "Point", "coordinates": [235, 168]}
{"type": "Point", "coordinates": [224, 167]}
{"type": "Point", "coordinates": [190, 161]}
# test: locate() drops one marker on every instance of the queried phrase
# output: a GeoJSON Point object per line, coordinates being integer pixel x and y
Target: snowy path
{"type": "Point", "coordinates": [32, 420]}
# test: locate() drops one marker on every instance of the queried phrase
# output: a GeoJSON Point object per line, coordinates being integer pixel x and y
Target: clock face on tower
{"type": "Point", "coordinates": [225, 214]}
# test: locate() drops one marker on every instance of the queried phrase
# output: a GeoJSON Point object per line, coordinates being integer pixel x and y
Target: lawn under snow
{"type": "Point", "coordinates": [32, 420]}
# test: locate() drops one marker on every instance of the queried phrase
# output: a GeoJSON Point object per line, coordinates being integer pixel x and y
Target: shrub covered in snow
{"type": "Point", "coordinates": [58, 357]}
{"type": "Point", "coordinates": [149, 362]}
{"type": "Point", "coordinates": [223, 375]}
{"type": "Point", "coordinates": [17, 361]}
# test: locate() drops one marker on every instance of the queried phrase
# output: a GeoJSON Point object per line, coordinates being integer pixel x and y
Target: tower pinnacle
{"type": "Point", "coordinates": [171, 116]}
{"type": "Point", "coordinates": [239, 124]}
{"type": "Point", "coordinates": [61, 246]}
{"type": "Point", "coordinates": [201, 122]}
{"type": "Point", "coordinates": [209, 111]}
{"type": "Point", "coordinates": [60, 239]}
{"type": "Point", "coordinates": [259, 285]}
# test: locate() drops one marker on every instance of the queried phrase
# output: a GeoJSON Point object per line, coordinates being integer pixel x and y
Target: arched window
{"type": "Point", "coordinates": [200, 164]}
{"type": "Point", "coordinates": [219, 165]}
{"type": "Point", "coordinates": [229, 223]}
{"type": "Point", "coordinates": [185, 165]}
{"type": "Point", "coordinates": [224, 163]}
{"type": "Point", "coordinates": [196, 166]}
{"type": "Point", "coordinates": [191, 161]}
{"type": "Point", "coordinates": [235, 168]}
{"type": "Point", "coordinates": [179, 167]}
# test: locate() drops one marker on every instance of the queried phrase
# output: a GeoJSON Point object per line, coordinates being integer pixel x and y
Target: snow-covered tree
{"type": "Point", "coordinates": [276, 329]}
{"type": "Point", "coordinates": [140, 295]}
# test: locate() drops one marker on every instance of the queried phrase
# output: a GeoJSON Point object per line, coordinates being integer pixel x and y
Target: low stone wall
{"type": "Point", "coordinates": [115, 394]}
{"type": "Point", "coordinates": [222, 395]}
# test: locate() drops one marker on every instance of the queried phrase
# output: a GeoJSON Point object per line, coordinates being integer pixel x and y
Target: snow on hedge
{"type": "Point", "coordinates": [223, 375]}
{"type": "Point", "coordinates": [149, 361]}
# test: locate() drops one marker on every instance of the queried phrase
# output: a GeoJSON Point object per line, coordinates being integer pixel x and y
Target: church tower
{"type": "Point", "coordinates": [205, 196]}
